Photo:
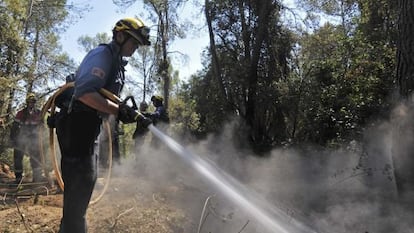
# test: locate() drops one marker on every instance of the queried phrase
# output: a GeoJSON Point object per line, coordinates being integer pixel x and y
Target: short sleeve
{"type": "Point", "coordinates": [93, 72]}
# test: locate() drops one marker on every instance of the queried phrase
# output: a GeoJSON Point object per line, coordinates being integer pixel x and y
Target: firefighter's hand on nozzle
{"type": "Point", "coordinates": [127, 114]}
{"type": "Point", "coordinates": [144, 121]}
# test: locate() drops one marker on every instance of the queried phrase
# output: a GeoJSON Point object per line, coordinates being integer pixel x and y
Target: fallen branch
{"type": "Point", "coordinates": [202, 218]}
{"type": "Point", "coordinates": [244, 226]}
{"type": "Point", "coordinates": [28, 228]}
{"type": "Point", "coordinates": [119, 216]}
{"type": "Point", "coordinates": [4, 198]}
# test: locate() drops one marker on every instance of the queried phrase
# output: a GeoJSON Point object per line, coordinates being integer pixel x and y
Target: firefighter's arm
{"type": "Point", "coordinates": [98, 102]}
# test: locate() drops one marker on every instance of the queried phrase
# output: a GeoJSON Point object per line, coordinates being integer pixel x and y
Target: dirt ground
{"type": "Point", "coordinates": [137, 213]}
{"type": "Point", "coordinates": [157, 192]}
{"type": "Point", "coordinates": [153, 192]}
{"type": "Point", "coordinates": [137, 199]}
{"type": "Point", "coordinates": [38, 208]}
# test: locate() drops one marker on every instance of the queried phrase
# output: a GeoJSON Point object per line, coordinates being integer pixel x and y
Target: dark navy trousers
{"type": "Point", "coordinates": [76, 133]}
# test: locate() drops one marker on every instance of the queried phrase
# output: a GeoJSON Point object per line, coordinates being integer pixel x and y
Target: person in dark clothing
{"type": "Point", "coordinates": [78, 125]}
{"type": "Point", "coordinates": [160, 114]}
{"type": "Point", "coordinates": [24, 137]}
{"type": "Point", "coordinates": [140, 132]}
{"type": "Point", "coordinates": [159, 117]}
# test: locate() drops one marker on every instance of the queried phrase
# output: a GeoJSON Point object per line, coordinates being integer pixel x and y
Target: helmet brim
{"type": "Point", "coordinates": [141, 40]}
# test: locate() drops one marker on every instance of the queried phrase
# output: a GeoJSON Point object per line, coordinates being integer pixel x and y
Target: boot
{"type": "Point", "coordinates": [37, 176]}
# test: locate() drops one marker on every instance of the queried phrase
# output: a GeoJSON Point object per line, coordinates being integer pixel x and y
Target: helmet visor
{"type": "Point", "coordinates": [141, 35]}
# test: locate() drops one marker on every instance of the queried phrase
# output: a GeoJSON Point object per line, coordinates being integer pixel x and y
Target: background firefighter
{"type": "Point", "coordinates": [78, 125]}
{"type": "Point", "coordinates": [24, 137]}
{"type": "Point", "coordinates": [140, 132]}
{"type": "Point", "coordinates": [159, 117]}
{"type": "Point", "coordinates": [160, 114]}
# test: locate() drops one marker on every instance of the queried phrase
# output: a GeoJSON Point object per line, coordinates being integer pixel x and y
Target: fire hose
{"type": "Point", "coordinates": [50, 107]}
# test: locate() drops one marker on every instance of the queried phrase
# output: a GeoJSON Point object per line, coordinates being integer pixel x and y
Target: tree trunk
{"type": "Point", "coordinates": [166, 63]}
{"type": "Point", "coordinates": [215, 60]}
{"type": "Point", "coordinates": [405, 48]}
{"type": "Point", "coordinates": [403, 144]}
{"type": "Point", "coordinates": [266, 8]}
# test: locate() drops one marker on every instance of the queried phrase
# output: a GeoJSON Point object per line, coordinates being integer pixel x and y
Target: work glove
{"type": "Point", "coordinates": [127, 114]}
{"type": "Point", "coordinates": [144, 121]}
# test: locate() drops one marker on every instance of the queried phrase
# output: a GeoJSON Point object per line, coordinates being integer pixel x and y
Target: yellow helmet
{"type": "Point", "coordinates": [157, 98]}
{"type": "Point", "coordinates": [31, 97]}
{"type": "Point", "coordinates": [135, 28]}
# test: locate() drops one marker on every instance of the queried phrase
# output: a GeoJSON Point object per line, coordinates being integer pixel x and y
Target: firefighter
{"type": "Point", "coordinates": [160, 115]}
{"type": "Point", "coordinates": [24, 137]}
{"type": "Point", "coordinates": [143, 107]}
{"type": "Point", "coordinates": [140, 132]}
{"type": "Point", "coordinates": [78, 125]}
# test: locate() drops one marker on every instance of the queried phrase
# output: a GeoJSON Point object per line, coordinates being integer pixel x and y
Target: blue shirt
{"type": "Point", "coordinates": [160, 114]}
{"type": "Point", "coordinates": [98, 70]}
{"type": "Point", "coordinates": [159, 111]}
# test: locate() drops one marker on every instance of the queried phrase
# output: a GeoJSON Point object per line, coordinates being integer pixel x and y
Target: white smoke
{"type": "Point", "coordinates": [351, 189]}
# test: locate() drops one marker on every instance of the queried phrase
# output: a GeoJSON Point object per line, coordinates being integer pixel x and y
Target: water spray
{"type": "Point", "coordinates": [273, 219]}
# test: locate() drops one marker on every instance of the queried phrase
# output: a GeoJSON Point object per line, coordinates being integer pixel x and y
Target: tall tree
{"type": "Point", "coordinates": [249, 49]}
{"type": "Point", "coordinates": [168, 29]}
{"type": "Point", "coordinates": [350, 66]}
{"type": "Point", "coordinates": [42, 62]}
{"type": "Point", "coordinates": [403, 139]}
{"type": "Point", "coordinates": [166, 16]}
{"type": "Point", "coordinates": [31, 59]}
{"type": "Point", "coordinates": [12, 46]}
{"type": "Point", "coordinates": [405, 46]}
{"type": "Point", "coordinates": [215, 63]}
{"type": "Point", "coordinates": [143, 63]}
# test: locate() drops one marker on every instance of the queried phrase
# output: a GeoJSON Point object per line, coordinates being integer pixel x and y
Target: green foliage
{"type": "Point", "coordinates": [205, 109]}
{"type": "Point", "coordinates": [184, 118]}
{"type": "Point", "coordinates": [31, 59]}
{"type": "Point", "coordinates": [88, 43]}
{"type": "Point", "coordinates": [246, 82]}
{"type": "Point", "coordinates": [340, 79]}
{"type": "Point", "coordinates": [321, 85]}
{"type": "Point", "coordinates": [34, 58]}
{"type": "Point", "coordinates": [11, 44]}
{"type": "Point", "coordinates": [349, 76]}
